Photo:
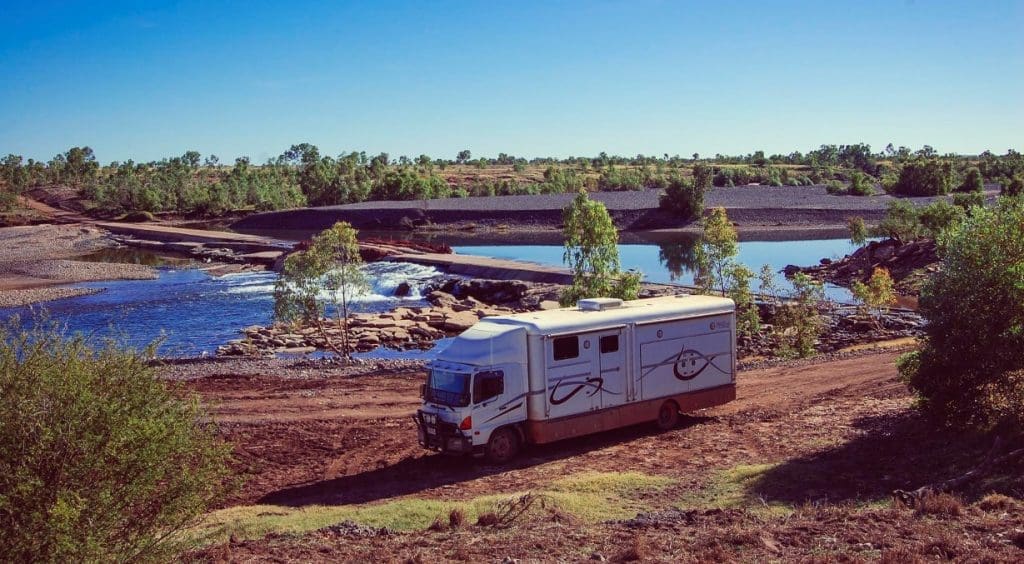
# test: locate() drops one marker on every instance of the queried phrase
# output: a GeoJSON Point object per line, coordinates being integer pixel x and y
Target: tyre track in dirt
{"type": "Point", "coordinates": [339, 440]}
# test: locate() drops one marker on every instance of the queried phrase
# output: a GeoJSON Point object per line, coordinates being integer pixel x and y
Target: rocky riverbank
{"type": "Point", "coordinates": [907, 263]}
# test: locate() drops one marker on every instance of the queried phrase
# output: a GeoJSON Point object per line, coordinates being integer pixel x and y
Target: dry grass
{"type": "Point", "coordinates": [998, 502]}
{"type": "Point", "coordinates": [940, 504]}
{"type": "Point", "coordinates": [456, 518]}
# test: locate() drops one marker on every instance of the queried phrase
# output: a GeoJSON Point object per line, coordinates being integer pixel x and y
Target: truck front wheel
{"type": "Point", "coordinates": [668, 416]}
{"type": "Point", "coordinates": [503, 446]}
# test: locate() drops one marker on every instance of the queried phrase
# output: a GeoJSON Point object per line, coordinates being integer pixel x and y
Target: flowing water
{"type": "Point", "coordinates": [193, 313]}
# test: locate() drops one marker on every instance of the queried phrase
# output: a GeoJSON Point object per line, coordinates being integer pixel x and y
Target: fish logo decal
{"type": "Point", "coordinates": [690, 363]}
{"type": "Point", "coordinates": [597, 383]}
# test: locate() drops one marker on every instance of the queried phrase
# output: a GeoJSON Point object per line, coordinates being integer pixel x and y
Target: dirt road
{"type": "Point", "coordinates": [342, 439]}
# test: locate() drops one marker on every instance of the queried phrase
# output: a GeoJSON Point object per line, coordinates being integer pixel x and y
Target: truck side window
{"type": "Point", "coordinates": [609, 344]}
{"type": "Point", "coordinates": [487, 385]}
{"type": "Point", "coordinates": [566, 347]}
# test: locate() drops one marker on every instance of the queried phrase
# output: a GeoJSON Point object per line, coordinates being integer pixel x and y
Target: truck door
{"type": "Point", "coordinates": [612, 365]}
{"type": "Point", "coordinates": [573, 386]}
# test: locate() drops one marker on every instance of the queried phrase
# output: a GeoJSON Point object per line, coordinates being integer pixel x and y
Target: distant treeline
{"type": "Point", "coordinates": [191, 184]}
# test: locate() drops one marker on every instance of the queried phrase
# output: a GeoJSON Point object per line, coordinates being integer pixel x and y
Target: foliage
{"type": "Point", "coordinates": [969, 200]}
{"type": "Point", "coordinates": [798, 322]}
{"type": "Point", "coordinates": [1013, 186]}
{"type": "Point", "coordinates": [858, 230]}
{"type": "Point", "coordinates": [592, 254]}
{"type": "Point", "coordinates": [878, 293]}
{"type": "Point", "coordinates": [938, 216]}
{"type": "Point", "coordinates": [969, 371]}
{"type": "Point", "coordinates": [901, 222]}
{"type": "Point", "coordinates": [100, 460]}
{"type": "Point", "coordinates": [702, 175]}
{"type": "Point", "coordinates": [924, 177]}
{"type": "Point", "coordinates": [330, 265]}
{"type": "Point", "coordinates": [748, 319]}
{"type": "Point", "coordinates": [682, 197]}
{"type": "Point", "coordinates": [973, 181]}
{"type": "Point", "coordinates": [861, 184]}
{"type": "Point", "coordinates": [717, 251]}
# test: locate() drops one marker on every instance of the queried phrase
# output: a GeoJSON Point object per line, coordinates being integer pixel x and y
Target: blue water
{"type": "Point", "coordinates": [193, 313]}
{"type": "Point", "coordinates": [673, 262]}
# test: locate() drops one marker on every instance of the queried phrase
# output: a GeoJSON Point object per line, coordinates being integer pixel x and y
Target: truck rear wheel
{"type": "Point", "coordinates": [668, 415]}
{"type": "Point", "coordinates": [503, 445]}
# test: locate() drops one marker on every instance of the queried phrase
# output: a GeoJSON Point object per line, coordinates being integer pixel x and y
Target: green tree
{"type": "Point", "coordinates": [798, 323]}
{"type": "Point", "coordinates": [924, 177]}
{"type": "Point", "coordinates": [901, 222]}
{"type": "Point", "coordinates": [938, 216]}
{"type": "Point", "coordinates": [858, 230]}
{"type": "Point", "coordinates": [592, 254]}
{"type": "Point", "coordinates": [973, 181]}
{"type": "Point", "coordinates": [702, 175]}
{"type": "Point", "coordinates": [876, 294]}
{"type": "Point", "coordinates": [748, 318]}
{"type": "Point", "coordinates": [969, 371]}
{"type": "Point", "coordinates": [463, 156]}
{"type": "Point", "coordinates": [100, 459]}
{"type": "Point", "coordinates": [330, 265]}
{"type": "Point", "coordinates": [1013, 186]}
{"type": "Point", "coordinates": [683, 198]}
{"type": "Point", "coordinates": [717, 251]}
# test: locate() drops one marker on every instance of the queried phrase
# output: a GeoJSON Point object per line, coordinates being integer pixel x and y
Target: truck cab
{"type": "Point", "coordinates": [474, 398]}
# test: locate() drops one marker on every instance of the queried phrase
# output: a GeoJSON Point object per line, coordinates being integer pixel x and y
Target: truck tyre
{"type": "Point", "coordinates": [668, 416]}
{"type": "Point", "coordinates": [503, 445]}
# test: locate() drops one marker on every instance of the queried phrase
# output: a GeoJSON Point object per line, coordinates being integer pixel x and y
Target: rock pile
{"type": "Point", "coordinates": [901, 260]}
{"type": "Point", "coordinates": [403, 328]}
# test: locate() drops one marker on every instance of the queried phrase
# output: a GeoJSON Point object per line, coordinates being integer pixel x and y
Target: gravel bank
{"type": "Point", "coordinates": [749, 206]}
{"type": "Point", "coordinates": [17, 298]}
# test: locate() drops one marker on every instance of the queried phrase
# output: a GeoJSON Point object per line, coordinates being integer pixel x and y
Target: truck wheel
{"type": "Point", "coordinates": [668, 416]}
{"type": "Point", "coordinates": [503, 446]}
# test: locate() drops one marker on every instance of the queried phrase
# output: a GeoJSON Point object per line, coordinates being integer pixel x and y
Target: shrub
{"type": "Point", "coordinates": [798, 322]}
{"type": "Point", "coordinates": [924, 177]}
{"type": "Point", "coordinates": [99, 459]}
{"type": "Point", "coordinates": [683, 198]}
{"type": "Point", "coordinates": [969, 200]}
{"type": "Point", "coordinates": [858, 230]}
{"type": "Point", "coordinates": [973, 181]}
{"type": "Point", "coordinates": [938, 216]}
{"type": "Point", "coordinates": [702, 176]}
{"type": "Point", "coordinates": [901, 222]}
{"type": "Point", "coordinates": [969, 371]}
{"type": "Point", "coordinates": [748, 320]}
{"type": "Point", "coordinates": [592, 254]}
{"type": "Point", "coordinates": [835, 188]}
{"type": "Point", "coordinates": [1013, 186]}
{"type": "Point", "coordinates": [861, 184]}
{"type": "Point", "coordinates": [878, 293]}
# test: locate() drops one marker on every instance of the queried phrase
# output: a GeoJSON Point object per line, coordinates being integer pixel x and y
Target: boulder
{"type": "Point", "coordinates": [403, 289]}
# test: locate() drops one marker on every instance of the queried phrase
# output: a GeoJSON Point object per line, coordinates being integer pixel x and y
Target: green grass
{"type": "Point", "coordinates": [733, 488]}
{"type": "Point", "coordinates": [589, 496]}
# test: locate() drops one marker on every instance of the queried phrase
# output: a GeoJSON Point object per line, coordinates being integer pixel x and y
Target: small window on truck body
{"type": "Point", "coordinates": [487, 385]}
{"type": "Point", "coordinates": [609, 344]}
{"type": "Point", "coordinates": [565, 348]}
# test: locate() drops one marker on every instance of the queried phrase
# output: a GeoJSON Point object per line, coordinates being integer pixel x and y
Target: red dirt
{"type": "Point", "coordinates": [841, 431]}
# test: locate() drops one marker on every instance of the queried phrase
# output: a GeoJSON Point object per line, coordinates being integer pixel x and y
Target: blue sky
{"type": "Point", "coordinates": [148, 80]}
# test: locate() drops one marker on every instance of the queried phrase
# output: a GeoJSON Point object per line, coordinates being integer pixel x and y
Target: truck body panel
{"type": "Point", "coordinates": [573, 371]}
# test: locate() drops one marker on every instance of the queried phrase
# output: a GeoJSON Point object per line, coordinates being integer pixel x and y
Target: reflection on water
{"type": "Point", "coordinates": [126, 255]}
{"type": "Point", "coordinates": [673, 261]}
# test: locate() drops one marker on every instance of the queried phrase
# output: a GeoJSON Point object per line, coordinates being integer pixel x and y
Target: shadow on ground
{"type": "Point", "coordinates": [895, 451]}
{"type": "Point", "coordinates": [416, 474]}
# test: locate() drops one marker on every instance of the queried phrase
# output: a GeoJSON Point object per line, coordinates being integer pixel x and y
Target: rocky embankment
{"type": "Point", "coordinates": [453, 305]}
{"type": "Point", "coordinates": [906, 263]}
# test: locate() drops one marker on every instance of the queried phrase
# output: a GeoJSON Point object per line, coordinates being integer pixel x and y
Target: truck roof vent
{"type": "Point", "coordinates": [599, 304]}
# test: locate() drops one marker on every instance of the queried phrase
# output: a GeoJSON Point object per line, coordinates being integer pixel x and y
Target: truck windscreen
{"type": "Point", "coordinates": [448, 388]}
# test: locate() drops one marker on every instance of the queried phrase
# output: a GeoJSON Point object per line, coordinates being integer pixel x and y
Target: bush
{"type": "Point", "coordinates": [969, 200]}
{"type": "Point", "coordinates": [858, 230]}
{"type": "Point", "coordinates": [924, 177]}
{"type": "Point", "coordinates": [797, 322]}
{"type": "Point", "coordinates": [973, 181]}
{"type": "Point", "coordinates": [835, 188]}
{"type": "Point", "coordinates": [938, 216]}
{"type": "Point", "coordinates": [683, 198]}
{"type": "Point", "coordinates": [901, 222]}
{"type": "Point", "coordinates": [702, 176]}
{"type": "Point", "coordinates": [861, 184]}
{"type": "Point", "coordinates": [1013, 186]}
{"type": "Point", "coordinates": [969, 371]}
{"type": "Point", "coordinates": [99, 459]}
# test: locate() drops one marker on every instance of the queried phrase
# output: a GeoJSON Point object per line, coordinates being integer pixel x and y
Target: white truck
{"type": "Point", "coordinates": [539, 377]}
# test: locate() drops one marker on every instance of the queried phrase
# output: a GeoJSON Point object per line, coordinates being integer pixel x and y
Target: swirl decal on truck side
{"type": "Point", "coordinates": [596, 382]}
{"type": "Point", "coordinates": [690, 363]}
